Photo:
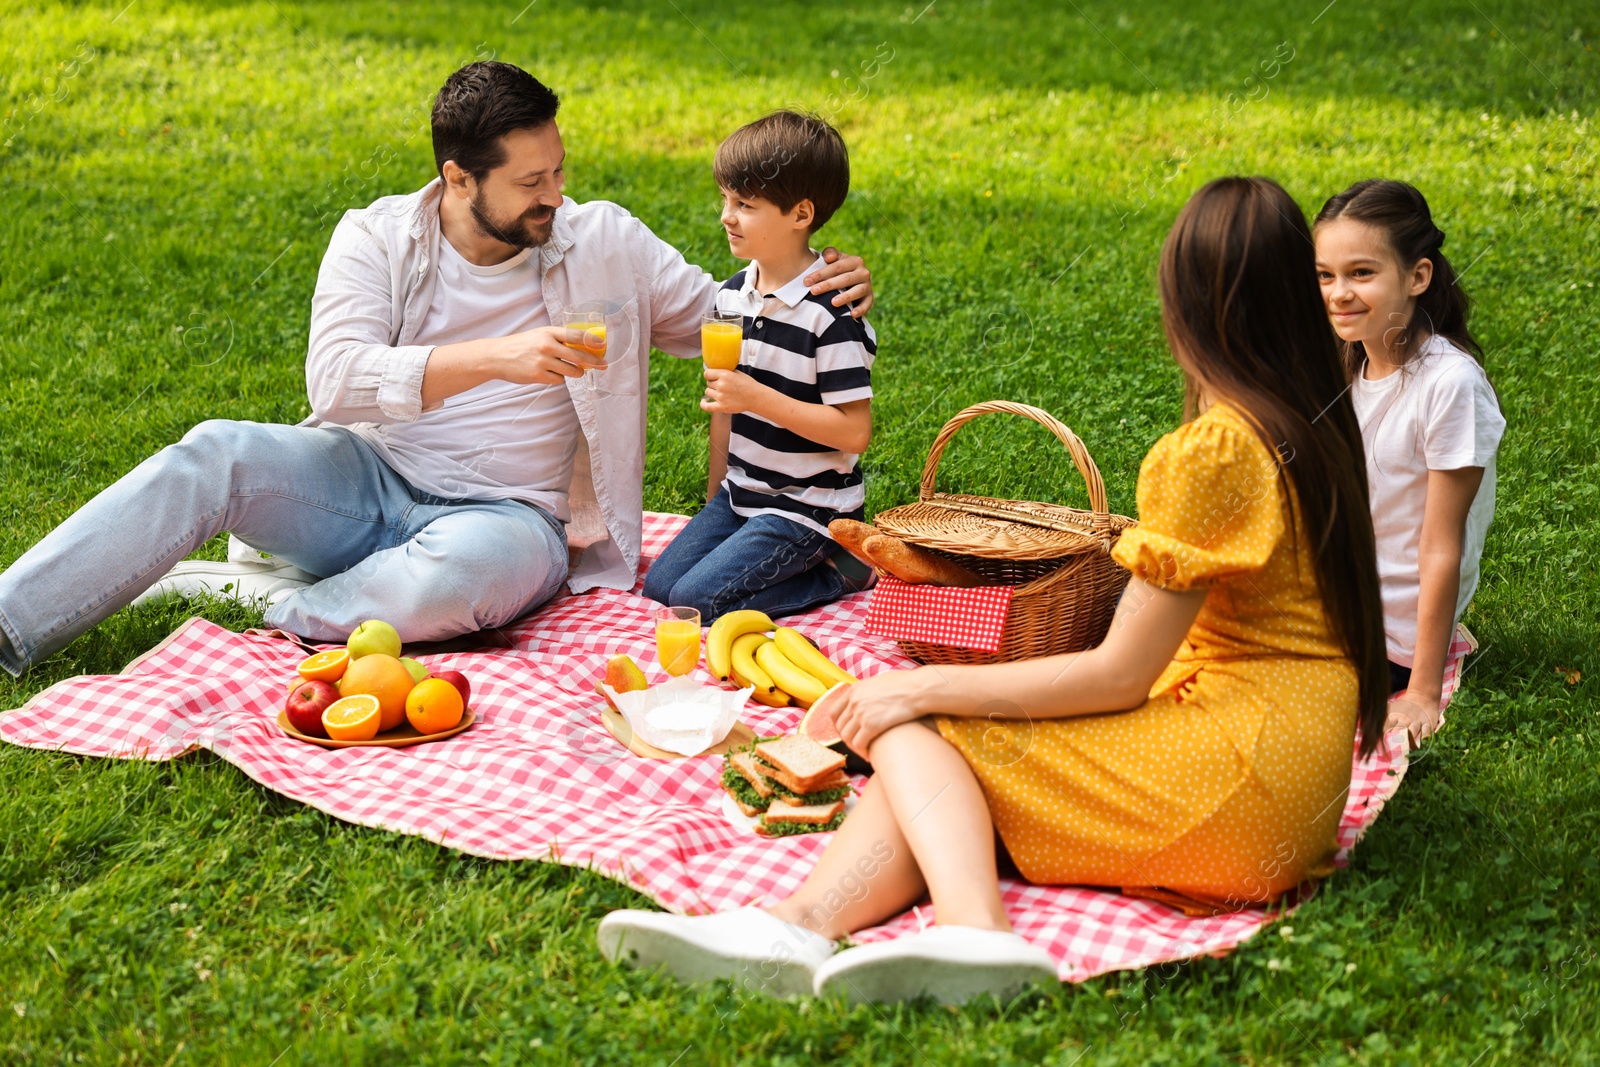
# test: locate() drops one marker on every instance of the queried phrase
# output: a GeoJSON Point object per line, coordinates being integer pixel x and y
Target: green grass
{"type": "Point", "coordinates": [1016, 166]}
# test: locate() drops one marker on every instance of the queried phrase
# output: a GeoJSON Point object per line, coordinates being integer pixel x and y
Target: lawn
{"type": "Point", "coordinates": [172, 173]}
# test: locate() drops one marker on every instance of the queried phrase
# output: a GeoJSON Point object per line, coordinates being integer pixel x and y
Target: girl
{"type": "Point", "coordinates": [1200, 755]}
{"type": "Point", "coordinates": [1429, 421]}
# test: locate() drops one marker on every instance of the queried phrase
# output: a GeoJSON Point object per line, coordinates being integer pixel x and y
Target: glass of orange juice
{"type": "Point", "coordinates": [721, 336]}
{"type": "Point", "coordinates": [591, 319]}
{"type": "Point", "coordinates": [678, 639]}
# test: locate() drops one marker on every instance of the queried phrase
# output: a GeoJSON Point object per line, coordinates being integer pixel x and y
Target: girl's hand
{"type": "Point", "coordinates": [1418, 719]}
{"type": "Point", "coordinates": [730, 392]}
{"type": "Point", "coordinates": [869, 707]}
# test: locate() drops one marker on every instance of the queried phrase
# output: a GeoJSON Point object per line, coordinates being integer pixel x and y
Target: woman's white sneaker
{"type": "Point", "coordinates": [753, 948]}
{"type": "Point", "coordinates": [951, 964]}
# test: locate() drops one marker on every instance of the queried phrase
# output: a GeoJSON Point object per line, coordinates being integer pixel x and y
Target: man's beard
{"type": "Point", "coordinates": [519, 232]}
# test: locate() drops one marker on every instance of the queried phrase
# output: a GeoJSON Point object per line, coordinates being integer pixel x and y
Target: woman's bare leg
{"type": "Point", "coordinates": [943, 817]}
{"type": "Point", "coordinates": [922, 825]}
{"type": "Point", "coordinates": [864, 876]}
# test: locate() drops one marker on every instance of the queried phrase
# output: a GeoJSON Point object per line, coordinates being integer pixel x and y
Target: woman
{"type": "Point", "coordinates": [1200, 755]}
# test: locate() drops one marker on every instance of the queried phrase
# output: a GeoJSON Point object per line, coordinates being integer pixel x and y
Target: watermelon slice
{"type": "Point", "coordinates": [819, 726]}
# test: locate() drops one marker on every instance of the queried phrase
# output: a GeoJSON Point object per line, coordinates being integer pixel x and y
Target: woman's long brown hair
{"type": "Point", "coordinates": [1245, 318]}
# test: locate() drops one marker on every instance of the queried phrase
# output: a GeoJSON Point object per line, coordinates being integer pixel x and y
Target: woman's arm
{"type": "Point", "coordinates": [1146, 631]}
{"type": "Point", "coordinates": [1444, 523]}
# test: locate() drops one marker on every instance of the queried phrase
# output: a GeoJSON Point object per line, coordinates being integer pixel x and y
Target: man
{"type": "Point", "coordinates": [462, 440]}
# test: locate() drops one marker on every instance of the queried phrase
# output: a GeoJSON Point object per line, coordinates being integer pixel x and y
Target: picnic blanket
{"type": "Point", "coordinates": [538, 777]}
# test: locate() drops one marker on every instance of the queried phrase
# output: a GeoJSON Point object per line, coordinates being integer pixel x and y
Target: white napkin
{"type": "Point", "coordinates": [681, 715]}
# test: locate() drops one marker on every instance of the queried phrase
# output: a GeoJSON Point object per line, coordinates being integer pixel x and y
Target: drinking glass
{"type": "Point", "coordinates": [590, 317]}
{"type": "Point", "coordinates": [721, 335]}
{"type": "Point", "coordinates": [678, 639]}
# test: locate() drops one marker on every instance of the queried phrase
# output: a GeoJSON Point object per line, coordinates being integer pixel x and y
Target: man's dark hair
{"type": "Point", "coordinates": [787, 157]}
{"type": "Point", "coordinates": [481, 103]}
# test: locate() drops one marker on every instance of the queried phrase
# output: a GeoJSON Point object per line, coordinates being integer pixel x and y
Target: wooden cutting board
{"type": "Point", "coordinates": [619, 729]}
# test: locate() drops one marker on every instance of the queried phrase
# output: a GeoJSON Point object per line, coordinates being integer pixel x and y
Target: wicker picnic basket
{"type": "Point", "coordinates": [1059, 558]}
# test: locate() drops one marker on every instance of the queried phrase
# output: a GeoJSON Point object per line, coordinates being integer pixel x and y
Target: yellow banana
{"type": "Point", "coordinates": [791, 679]}
{"type": "Point", "coordinates": [719, 642]}
{"type": "Point", "coordinates": [744, 661]}
{"type": "Point", "coordinates": [798, 649]}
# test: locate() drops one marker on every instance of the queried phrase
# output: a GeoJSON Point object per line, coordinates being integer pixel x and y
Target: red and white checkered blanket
{"type": "Point", "coordinates": [538, 777]}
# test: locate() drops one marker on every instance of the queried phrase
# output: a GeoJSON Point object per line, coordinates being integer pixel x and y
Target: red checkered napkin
{"type": "Point", "coordinates": [940, 614]}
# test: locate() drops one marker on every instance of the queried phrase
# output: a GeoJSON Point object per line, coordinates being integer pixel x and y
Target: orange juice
{"type": "Point", "coordinates": [592, 331]}
{"type": "Point", "coordinates": [720, 343]}
{"type": "Point", "coordinates": [678, 645]}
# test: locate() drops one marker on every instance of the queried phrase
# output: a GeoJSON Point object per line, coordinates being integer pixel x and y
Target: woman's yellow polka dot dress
{"type": "Point", "coordinates": [1225, 788]}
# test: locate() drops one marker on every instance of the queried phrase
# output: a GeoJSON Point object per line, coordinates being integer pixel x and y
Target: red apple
{"type": "Point", "coordinates": [459, 680]}
{"type": "Point", "coordinates": [307, 701]}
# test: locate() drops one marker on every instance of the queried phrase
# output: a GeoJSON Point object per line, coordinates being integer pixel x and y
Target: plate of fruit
{"type": "Point", "coordinates": [367, 694]}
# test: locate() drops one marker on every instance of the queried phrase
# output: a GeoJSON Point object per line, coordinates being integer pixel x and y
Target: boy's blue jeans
{"type": "Point", "coordinates": [722, 562]}
{"type": "Point", "coordinates": [321, 499]}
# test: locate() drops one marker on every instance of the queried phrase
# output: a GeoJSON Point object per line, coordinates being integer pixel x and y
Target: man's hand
{"type": "Point", "coordinates": [545, 356]}
{"type": "Point", "coordinates": [730, 392]}
{"type": "Point", "coordinates": [846, 273]}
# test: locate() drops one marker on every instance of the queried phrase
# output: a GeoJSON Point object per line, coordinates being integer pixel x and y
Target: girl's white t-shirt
{"type": "Point", "coordinates": [1436, 413]}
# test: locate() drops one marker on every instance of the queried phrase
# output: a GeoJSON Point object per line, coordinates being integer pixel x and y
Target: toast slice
{"type": "Point", "coordinates": [802, 759]}
{"type": "Point", "coordinates": [783, 818]}
{"type": "Point", "coordinates": [745, 764]}
{"type": "Point", "coordinates": [831, 780]}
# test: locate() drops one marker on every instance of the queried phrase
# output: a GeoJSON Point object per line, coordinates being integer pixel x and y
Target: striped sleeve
{"type": "Point", "coordinates": [844, 353]}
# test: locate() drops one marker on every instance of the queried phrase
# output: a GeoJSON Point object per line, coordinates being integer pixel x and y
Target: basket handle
{"type": "Point", "coordinates": [1080, 454]}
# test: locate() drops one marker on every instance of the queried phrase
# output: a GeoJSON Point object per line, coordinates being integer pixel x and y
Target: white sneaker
{"type": "Point", "coordinates": [754, 948]}
{"type": "Point", "coordinates": [951, 964]}
{"type": "Point", "coordinates": [236, 581]}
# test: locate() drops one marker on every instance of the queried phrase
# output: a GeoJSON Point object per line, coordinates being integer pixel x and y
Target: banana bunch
{"type": "Point", "coordinates": [782, 669]}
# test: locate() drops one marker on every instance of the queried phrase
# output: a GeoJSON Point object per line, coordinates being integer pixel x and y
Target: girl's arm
{"type": "Point", "coordinates": [1146, 631]}
{"type": "Point", "coordinates": [1444, 523]}
{"type": "Point", "coordinates": [721, 429]}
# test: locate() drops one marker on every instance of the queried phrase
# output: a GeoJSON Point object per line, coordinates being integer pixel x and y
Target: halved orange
{"type": "Point", "coordinates": [352, 718]}
{"type": "Point", "coordinates": [326, 666]}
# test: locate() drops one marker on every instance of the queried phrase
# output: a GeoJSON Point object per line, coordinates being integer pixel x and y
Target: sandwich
{"type": "Point", "coordinates": [794, 784]}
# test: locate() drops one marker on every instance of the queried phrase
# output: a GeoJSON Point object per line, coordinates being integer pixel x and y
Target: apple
{"type": "Point", "coordinates": [418, 671]}
{"type": "Point", "coordinates": [374, 637]}
{"type": "Point", "coordinates": [459, 680]}
{"type": "Point", "coordinates": [307, 701]}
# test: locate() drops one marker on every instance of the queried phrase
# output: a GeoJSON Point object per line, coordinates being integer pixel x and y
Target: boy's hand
{"type": "Point", "coordinates": [730, 392]}
{"type": "Point", "coordinates": [848, 273]}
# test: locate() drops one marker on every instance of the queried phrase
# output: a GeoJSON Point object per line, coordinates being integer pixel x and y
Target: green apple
{"type": "Point", "coordinates": [418, 671]}
{"type": "Point", "coordinates": [373, 637]}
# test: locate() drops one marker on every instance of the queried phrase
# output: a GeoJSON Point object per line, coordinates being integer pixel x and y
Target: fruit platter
{"type": "Point", "coordinates": [367, 694]}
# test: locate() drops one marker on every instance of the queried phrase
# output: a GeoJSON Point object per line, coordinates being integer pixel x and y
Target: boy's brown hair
{"type": "Point", "coordinates": [787, 157]}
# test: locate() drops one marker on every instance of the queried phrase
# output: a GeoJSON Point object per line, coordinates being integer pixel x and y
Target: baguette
{"type": "Point", "coordinates": [849, 534]}
{"type": "Point", "coordinates": [916, 566]}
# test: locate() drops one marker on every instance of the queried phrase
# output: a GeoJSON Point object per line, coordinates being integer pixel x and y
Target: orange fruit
{"type": "Point", "coordinates": [352, 718]}
{"type": "Point", "coordinates": [326, 666]}
{"type": "Point", "coordinates": [384, 677]}
{"type": "Point", "coordinates": [433, 706]}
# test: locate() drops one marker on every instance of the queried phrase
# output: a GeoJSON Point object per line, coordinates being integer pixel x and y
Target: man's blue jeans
{"type": "Point", "coordinates": [321, 499]}
{"type": "Point", "coordinates": [722, 562]}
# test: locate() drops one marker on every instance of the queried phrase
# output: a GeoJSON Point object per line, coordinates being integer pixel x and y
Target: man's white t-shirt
{"type": "Point", "coordinates": [499, 441]}
{"type": "Point", "coordinates": [1436, 413]}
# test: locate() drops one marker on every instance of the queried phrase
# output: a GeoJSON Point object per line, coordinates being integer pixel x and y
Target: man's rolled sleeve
{"type": "Point", "coordinates": [354, 372]}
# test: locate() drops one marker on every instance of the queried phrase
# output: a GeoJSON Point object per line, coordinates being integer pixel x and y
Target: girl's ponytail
{"type": "Point", "coordinates": [1401, 212]}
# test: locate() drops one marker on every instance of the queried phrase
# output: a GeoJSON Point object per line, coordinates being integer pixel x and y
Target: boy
{"type": "Point", "coordinates": [797, 413]}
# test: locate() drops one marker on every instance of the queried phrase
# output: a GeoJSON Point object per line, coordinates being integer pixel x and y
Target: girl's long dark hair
{"type": "Point", "coordinates": [1400, 212]}
{"type": "Point", "coordinates": [1246, 321]}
